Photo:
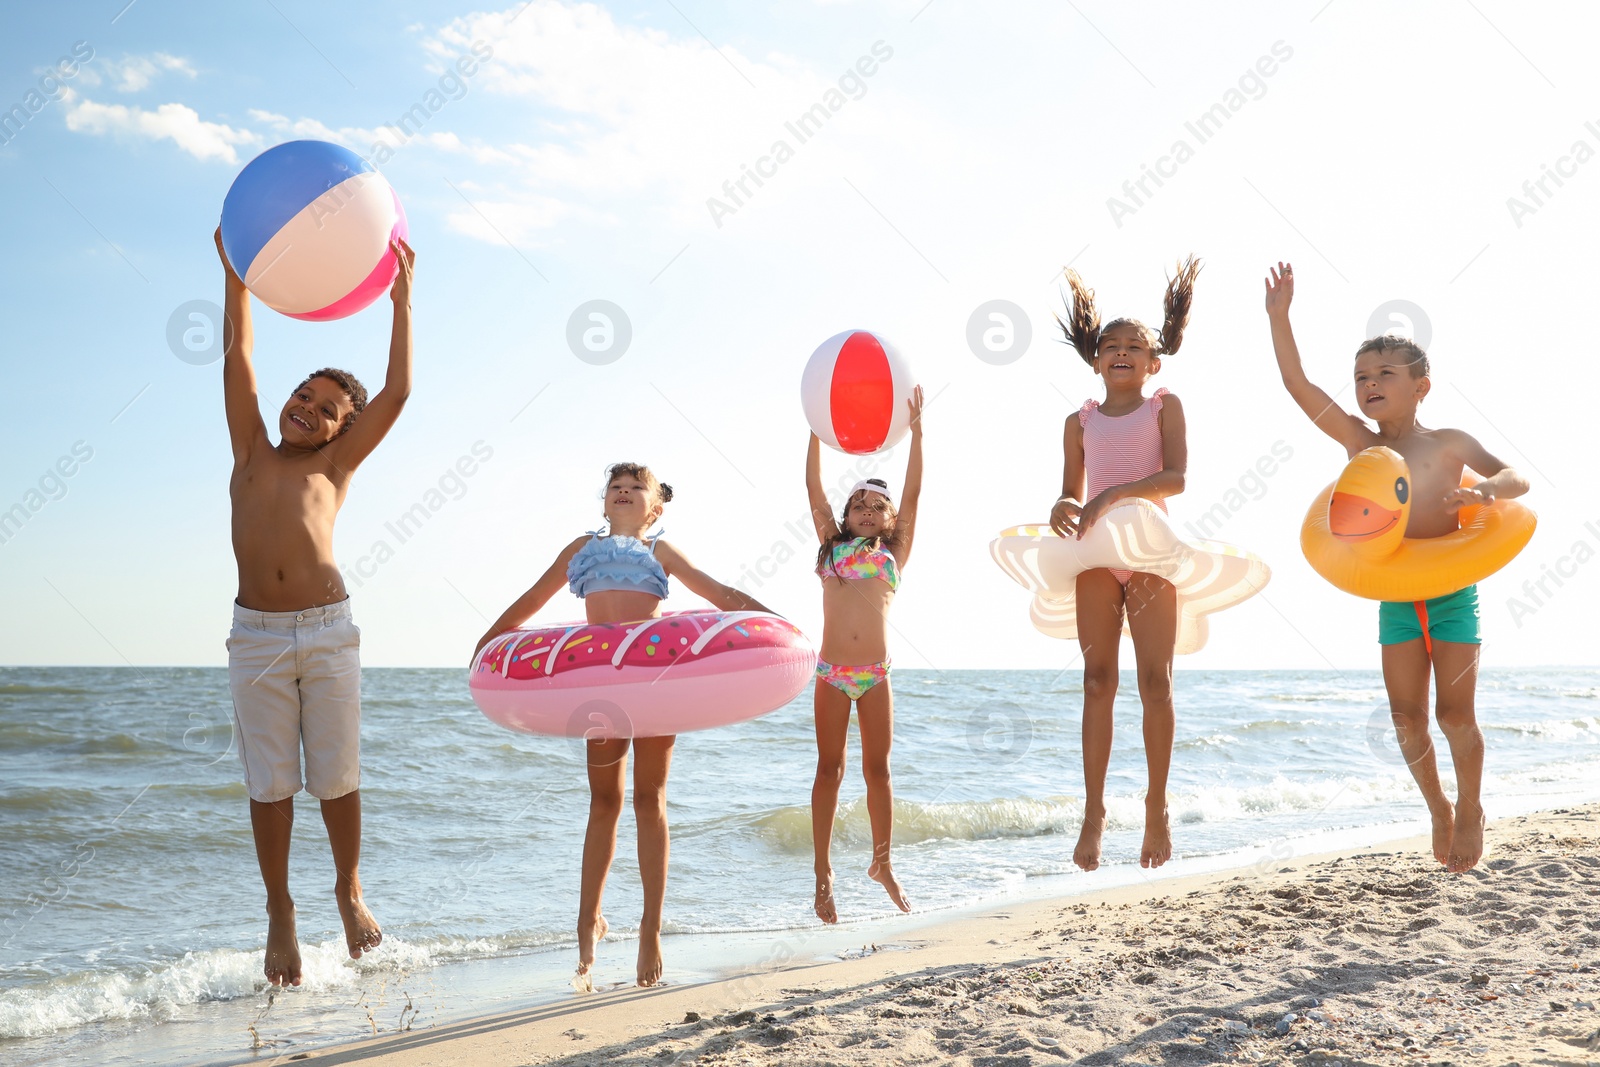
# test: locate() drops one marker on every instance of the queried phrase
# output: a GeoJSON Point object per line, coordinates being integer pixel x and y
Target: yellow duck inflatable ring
{"type": "Point", "coordinates": [1354, 535]}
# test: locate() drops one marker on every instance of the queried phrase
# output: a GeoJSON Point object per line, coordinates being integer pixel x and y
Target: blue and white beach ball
{"type": "Point", "coordinates": [307, 226]}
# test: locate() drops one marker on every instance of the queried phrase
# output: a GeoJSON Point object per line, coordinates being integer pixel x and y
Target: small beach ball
{"type": "Point", "coordinates": [854, 391]}
{"type": "Point", "coordinates": [307, 226]}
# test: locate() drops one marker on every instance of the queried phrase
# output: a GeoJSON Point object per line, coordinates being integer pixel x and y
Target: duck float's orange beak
{"type": "Point", "coordinates": [1356, 518]}
{"type": "Point", "coordinates": [1370, 503]}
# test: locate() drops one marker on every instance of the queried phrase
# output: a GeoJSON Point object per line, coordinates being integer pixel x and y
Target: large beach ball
{"type": "Point", "coordinates": [854, 390]}
{"type": "Point", "coordinates": [307, 226]}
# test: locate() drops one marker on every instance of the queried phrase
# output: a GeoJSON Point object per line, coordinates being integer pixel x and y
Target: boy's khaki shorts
{"type": "Point", "coordinates": [296, 682]}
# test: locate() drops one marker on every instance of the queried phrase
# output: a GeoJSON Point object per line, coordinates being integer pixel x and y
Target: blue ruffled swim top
{"type": "Point", "coordinates": [605, 564]}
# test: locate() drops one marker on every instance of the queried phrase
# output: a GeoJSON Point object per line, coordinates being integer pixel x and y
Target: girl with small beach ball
{"type": "Point", "coordinates": [1126, 446]}
{"type": "Point", "coordinates": [860, 557]}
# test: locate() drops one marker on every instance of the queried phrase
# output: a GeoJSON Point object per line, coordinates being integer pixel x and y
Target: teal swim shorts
{"type": "Point", "coordinates": [1453, 617]}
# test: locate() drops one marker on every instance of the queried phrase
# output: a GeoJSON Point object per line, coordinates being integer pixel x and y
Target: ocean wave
{"type": "Point", "coordinates": [59, 798]}
{"type": "Point", "coordinates": [158, 993]}
{"type": "Point", "coordinates": [22, 689]}
{"type": "Point", "coordinates": [1208, 741]}
{"type": "Point", "coordinates": [1585, 729]}
{"type": "Point", "coordinates": [1351, 695]}
{"type": "Point", "coordinates": [789, 828]}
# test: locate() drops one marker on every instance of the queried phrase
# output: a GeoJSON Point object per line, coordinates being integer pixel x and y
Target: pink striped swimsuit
{"type": "Point", "coordinates": [1118, 449]}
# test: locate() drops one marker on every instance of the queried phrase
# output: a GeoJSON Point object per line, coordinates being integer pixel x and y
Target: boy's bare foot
{"type": "Point", "coordinates": [826, 911]}
{"type": "Point", "coordinates": [283, 947]}
{"type": "Point", "coordinates": [361, 932]}
{"type": "Point", "coordinates": [883, 874]}
{"type": "Point", "coordinates": [1444, 828]}
{"type": "Point", "coordinates": [649, 957]}
{"type": "Point", "coordinates": [1466, 844]}
{"type": "Point", "coordinates": [1087, 854]}
{"type": "Point", "coordinates": [1157, 847]}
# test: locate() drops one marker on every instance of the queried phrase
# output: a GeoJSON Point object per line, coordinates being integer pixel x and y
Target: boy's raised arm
{"type": "Point", "coordinates": [246, 430]}
{"type": "Point", "coordinates": [1319, 407]}
{"type": "Point", "coordinates": [375, 422]}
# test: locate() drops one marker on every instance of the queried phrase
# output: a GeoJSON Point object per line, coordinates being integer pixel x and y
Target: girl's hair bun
{"type": "Point", "coordinates": [666, 493]}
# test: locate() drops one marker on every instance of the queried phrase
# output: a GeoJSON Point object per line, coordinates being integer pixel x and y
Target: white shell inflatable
{"type": "Point", "coordinates": [1134, 536]}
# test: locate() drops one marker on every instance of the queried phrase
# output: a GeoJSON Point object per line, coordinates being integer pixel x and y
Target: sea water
{"type": "Point", "coordinates": [131, 909]}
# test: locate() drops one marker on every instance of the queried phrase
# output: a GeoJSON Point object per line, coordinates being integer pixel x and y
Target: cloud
{"type": "Point", "coordinates": [131, 74]}
{"type": "Point", "coordinates": [609, 111]}
{"type": "Point", "coordinates": [173, 122]}
{"type": "Point", "coordinates": [357, 138]}
{"type": "Point", "coordinates": [519, 221]}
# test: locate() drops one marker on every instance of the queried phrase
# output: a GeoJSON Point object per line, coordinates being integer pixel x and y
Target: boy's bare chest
{"type": "Point", "coordinates": [271, 483]}
{"type": "Point", "coordinates": [1435, 469]}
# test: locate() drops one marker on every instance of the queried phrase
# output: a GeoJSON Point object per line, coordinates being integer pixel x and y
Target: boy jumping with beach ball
{"type": "Point", "coordinates": [294, 662]}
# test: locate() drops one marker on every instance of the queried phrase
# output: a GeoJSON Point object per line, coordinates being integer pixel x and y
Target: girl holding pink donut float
{"type": "Point", "coordinates": [861, 556]}
{"type": "Point", "coordinates": [587, 672]}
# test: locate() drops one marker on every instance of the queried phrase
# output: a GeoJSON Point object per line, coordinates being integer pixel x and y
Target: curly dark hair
{"type": "Point", "coordinates": [1415, 357]}
{"type": "Point", "coordinates": [349, 383]}
{"type": "Point", "coordinates": [843, 535]}
{"type": "Point", "coordinates": [1082, 325]}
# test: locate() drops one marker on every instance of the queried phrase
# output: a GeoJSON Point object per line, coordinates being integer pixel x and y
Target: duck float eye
{"type": "Point", "coordinates": [1400, 490]}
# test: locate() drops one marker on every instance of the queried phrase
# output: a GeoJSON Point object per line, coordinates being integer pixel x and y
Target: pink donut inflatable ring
{"type": "Point", "coordinates": [682, 671]}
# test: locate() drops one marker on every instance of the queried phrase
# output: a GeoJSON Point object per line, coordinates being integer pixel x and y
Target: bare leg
{"type": "Point", "coordinates": [1405, 675]}
{"type": "Point", "coordinates": [1455, 668]}
{"type": "Point", "coordinates": [1100, 598]}
{"type": "Point", "coordinates": [608, 769]}
{"type": "Point", "coordinates": [652, 760]}
{"type": "Point", "coordinates": [875, 713]}
{"type": "Point", "coordinates": [342, 817]}
{"type": "Point", "coordinates": [831, 709]}
{"type": "Point", "coordinates": [1153, 622]}
{"type": "Point", "coordinates": [273, 826]}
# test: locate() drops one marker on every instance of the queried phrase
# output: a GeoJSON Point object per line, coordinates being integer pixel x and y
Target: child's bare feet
{"type": "Point", "coordinates": [283, 947]}
{"type": "Point", "coordinates": [826, 911]}
{"type": "Point", "coordinates": [1444, 828]}
{"type": "Point", "coordinates": [1466, 843]}
{"type": "Point", "coordinates": [883, 874]}
{"type": "Point", "coordinates": [361, 932]}
{"type": "Point", "coordinates": [1087, 854]}
{"type": "Point", "coordinates": [589, 935]}
{"type": "Point", "coordinates": [649, 956]}
{"type": "Point", "coordinates": [1157, 847]}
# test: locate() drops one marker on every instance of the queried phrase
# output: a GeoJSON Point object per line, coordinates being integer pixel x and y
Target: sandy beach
{"type": "Point", "coordinates": [1364, 957]}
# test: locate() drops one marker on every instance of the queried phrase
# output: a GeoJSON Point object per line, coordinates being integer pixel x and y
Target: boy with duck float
{"type": "Point", "coordinates": [1391, 380]}
{"type": "Point", "coordinates": [294, 661]}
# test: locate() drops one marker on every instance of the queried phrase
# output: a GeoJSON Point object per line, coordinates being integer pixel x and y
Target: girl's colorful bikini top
{"type": "Point", "coordinates": [623, 563]}
{"type": "Point", "coordinates": [858, 559]}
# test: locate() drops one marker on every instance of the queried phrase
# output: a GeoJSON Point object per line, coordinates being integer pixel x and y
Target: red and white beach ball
{"type": "Point", "coordinates": [854, 391]}
{"type": "Point", "coordinates": [307, 226]}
